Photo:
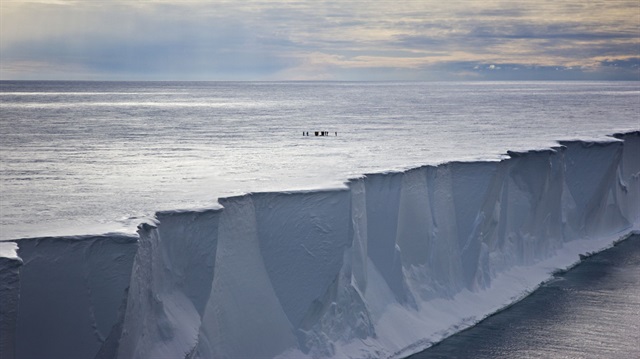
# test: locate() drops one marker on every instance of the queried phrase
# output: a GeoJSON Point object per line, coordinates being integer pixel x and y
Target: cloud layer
{"type": "Point", "coordinates": [320, 40]}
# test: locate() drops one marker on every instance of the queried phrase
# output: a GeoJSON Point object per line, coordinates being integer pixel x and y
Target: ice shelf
{"type": "Point", "coordinates": [383, 267]}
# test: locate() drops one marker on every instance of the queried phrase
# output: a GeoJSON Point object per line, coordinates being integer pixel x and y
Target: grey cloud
{"type": "Point", "coordinates": [567, 49]}
{"type": "Point", "coordinates": [630, 65]}
{"type": "Point", "coordinates": [511, 13]}
{"type": "Point", "coordinates": [165, 41]}
{"type": "Point", "coordinates": [469, 70]}
{"type": "Point", "coordinates": [554, 31]}
{"type": "Point", "coordinates": [419, 41]}
{"type": "Point", "coordinates": [227, 57]}
{"type": "Point", "coordinates": [241, 40]}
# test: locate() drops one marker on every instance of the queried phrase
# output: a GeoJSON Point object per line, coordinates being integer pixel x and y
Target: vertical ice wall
{"type": "Point", "coordinates": [242, 307]}
{"type": "Point", "coordinates": [592, 179]}
{"type": "Point", "coordinates": [380, 268]}
{"type": "Point", "coordinates": [628, 189]}
{"type": "Point", "coordinates": [10, 265]}
{"type": "Point", "coordinates": [170, 285]}
{"type": "Point", "coordinates": [71, 291]}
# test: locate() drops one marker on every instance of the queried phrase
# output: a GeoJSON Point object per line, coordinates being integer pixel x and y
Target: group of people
{"type": "Point", "coordinates": [318, 133]}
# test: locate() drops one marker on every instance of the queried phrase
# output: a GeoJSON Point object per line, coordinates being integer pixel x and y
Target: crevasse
{"type": "Point", "coordinates": [383, 267]}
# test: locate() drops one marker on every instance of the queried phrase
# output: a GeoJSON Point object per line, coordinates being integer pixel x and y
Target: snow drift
{"type": "Point", "coordinates": [383, 267]}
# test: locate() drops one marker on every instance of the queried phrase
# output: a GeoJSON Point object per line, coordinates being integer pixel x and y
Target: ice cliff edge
{"type": "Point", "coordinates": [381, 268]}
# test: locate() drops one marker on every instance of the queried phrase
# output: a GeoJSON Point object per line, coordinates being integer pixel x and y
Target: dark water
{"type": "Point", "coordinates": [95, 157]}
{"type": "Point", "coordinates": [591, 311]}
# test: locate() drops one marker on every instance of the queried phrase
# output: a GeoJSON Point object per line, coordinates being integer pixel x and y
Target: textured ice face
{"type": "Point", "coordinates": [84, 158]}
{"type": "Point", "coordinates": [381, 268]}
{"type": "Point", "coordinates": [10, 265]}
{"type": "Point", "coordinates": [73, 287]}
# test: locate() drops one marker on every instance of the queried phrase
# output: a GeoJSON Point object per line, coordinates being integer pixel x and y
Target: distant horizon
{"type": "Point", "coordinates": [325, 81]}
{"type": "Point", "coordinates": [327, 40]}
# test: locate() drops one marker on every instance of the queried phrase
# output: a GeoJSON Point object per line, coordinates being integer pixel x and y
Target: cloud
{"type": "Point", "coordinates": [324, 39]}
{"type": "Point", "coordinates": [164, 41]}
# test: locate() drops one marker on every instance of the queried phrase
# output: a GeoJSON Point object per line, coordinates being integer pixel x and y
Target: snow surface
{"type": "Point", "coordinates": [382, 267]}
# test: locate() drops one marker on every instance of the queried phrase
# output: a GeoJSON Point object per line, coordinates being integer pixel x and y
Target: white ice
{"type": "Point", "coordinates": [383, 267]}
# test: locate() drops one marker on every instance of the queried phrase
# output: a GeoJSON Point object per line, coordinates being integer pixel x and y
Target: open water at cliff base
{"type": "Point", "coordinates": [590, 311]}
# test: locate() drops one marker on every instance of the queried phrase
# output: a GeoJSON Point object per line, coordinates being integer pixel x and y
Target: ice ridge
{"type": "Point", "coordinates": [383, 267]}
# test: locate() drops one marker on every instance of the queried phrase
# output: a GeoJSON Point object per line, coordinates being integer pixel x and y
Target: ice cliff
{"type": "Point", "coordinates": [383, 267]}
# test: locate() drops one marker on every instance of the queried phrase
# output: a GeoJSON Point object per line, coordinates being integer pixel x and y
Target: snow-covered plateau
{"type": "Point", "coordinates": [383, 267]}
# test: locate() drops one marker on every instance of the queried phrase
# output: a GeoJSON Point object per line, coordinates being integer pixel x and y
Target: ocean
{"type": "Point", "coordinates": [382, 267]}
{"type": "Point", "coordinates": [95, 157]}
{"type": "Point", "coordinates": [590, 311]}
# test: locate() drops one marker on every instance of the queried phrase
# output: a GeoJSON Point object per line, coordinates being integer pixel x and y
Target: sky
{"type": "Point", "coordinates": [270, 40]}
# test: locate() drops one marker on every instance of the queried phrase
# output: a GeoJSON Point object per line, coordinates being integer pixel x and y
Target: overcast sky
{"type": "Point", "coordinates": [320, 40]}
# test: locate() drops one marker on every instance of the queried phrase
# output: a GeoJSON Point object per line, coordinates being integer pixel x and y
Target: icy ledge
{"type": "Point", "coordinates": [383, 267]}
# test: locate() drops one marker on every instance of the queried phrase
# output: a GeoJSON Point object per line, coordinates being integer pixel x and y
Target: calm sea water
{"type": "Point", "coordinates": [91, 157]}
{"type": "Point", "coordinates": [591, 311]}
